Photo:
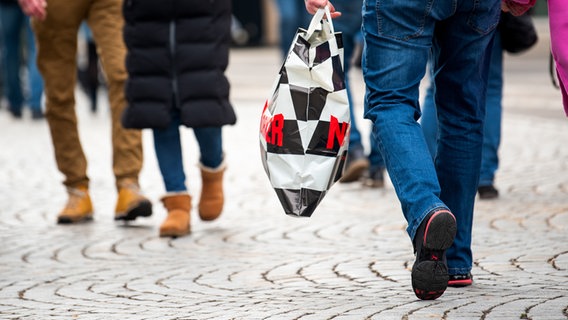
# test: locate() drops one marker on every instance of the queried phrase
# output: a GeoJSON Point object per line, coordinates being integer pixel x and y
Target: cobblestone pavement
{"type": "Point", "coordinates": [350, 260]}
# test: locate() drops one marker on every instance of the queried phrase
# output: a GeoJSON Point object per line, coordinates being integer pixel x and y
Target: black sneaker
{"type": "Point", "coordinates": [374, 177]}
{"type": "Point", "coordinates": [460, 280]}
{"type": "Point", "coordinates": [487, 192]}
{"type": "Point", "coordinates": [355, 165]}
{"type": "Point", "coordinates": [430, 271]}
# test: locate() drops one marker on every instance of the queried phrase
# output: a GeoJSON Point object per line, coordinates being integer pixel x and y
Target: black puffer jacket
{"type": "Point", "coordinates": [178, 51]}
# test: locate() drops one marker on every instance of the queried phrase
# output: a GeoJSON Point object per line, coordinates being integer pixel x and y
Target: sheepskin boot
{"type": "Point", "coordinates": [177, 222]}
{"type": "Point", "coordinates": [212, 198]}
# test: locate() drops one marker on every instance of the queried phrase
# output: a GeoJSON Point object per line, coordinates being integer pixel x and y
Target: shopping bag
{"type": "Point", "coordinates": [304, 129]}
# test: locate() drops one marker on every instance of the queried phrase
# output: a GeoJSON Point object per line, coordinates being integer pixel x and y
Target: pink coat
{"type": "Point", "coordinates": [558, 17]}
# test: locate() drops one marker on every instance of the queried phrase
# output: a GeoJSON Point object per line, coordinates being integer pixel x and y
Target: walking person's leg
{"type": "Point", "coordinates": [167, 145]}
{"type": "Point", "coordinates": [212, 166]}
{"type": "Point", "coordinates": [12, 20]}
{"type": "Point", "coordinates": [492, 124]}
{"type": "Point", "coordinates": [461, 59]}
{"type": "Point", "coordinates": [35, 81]}
{"type": "Point", "coordinates": [350, 25]}
{"type": "Point", "coordinates": [56, 37]}
{"type": "Point", "coordinates": [292, 15]}
{"type": "Point", "coordinates": [394, 63]}
{"type": "Point", "coordinates": [106, 22]}
{"type": "Point", "coordinates": [429, 118]}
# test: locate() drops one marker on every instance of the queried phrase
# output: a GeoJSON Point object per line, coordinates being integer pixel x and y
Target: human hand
{"type": "Point", "coordinates": [34, 8]}
{"type": "Point", "coordinates": [516, 7]}
{"type": "Point", "coordinates": [313, 5]}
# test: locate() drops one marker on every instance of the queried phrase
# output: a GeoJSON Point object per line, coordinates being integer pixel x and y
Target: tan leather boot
{"type": "Point", "coordinates": [177, 222]}
{"type": "Point", "coordinates": [79, 207]}
{"type": "Point", "coordinates": [130, 203]}
{"type": "Point", "coordinates": [212, 198]}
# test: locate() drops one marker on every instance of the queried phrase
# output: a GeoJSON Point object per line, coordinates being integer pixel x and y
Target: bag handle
{"type": "Point", "coordinates": [318, 17]}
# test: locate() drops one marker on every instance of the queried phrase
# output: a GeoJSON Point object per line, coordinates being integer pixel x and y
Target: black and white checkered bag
{"type": "Point", "coordinates": [304, 131]}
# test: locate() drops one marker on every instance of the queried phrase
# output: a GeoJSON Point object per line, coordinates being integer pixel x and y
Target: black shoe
{"type": "Point", "coordinates": [430, 271]}
{"type": "Point", "coordinates": [374, 177]}
{"type": "Point", "coordinates": [487, 192]}
{"type": "Point", "coordinates": [355, 165]}
{"type": "Point", "coordinates": [37, 115]}
{"type": "Point", "coordinates": [460, 280]}
{"type": "Point", "coordinates": [16, 113]}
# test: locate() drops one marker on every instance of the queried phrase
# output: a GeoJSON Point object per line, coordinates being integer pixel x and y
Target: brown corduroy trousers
{"type": "Point", "coordinates": [56, 39]}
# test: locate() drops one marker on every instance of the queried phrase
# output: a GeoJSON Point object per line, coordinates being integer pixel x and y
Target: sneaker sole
{"type": "Point", "coordinates": [174, 233]}
{"type": "Point", "coordinates": [430, 278]}
{"type": "Point", "coordinates": [144, 209]}
{"type": "Point", "coordinates": [355, 171]}
{"type": "Point", "coordinates": [460, 283]}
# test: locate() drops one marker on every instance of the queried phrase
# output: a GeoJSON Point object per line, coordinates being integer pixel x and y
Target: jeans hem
{"type": "Point", "coordinates": [485, 183]}
{"type": "Point", "coordinates": [456, 271]}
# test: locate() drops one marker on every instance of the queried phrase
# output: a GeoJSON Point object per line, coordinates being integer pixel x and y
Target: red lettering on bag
{"type": "Point", "coordinates": [272, 127]}
{"type": "Point", "coordinates": [275, 130]}
{"type": "Point", "coordinates": [336, 131]}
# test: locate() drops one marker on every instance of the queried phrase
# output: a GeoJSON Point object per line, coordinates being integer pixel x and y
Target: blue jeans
{"type": "Point", "coordinates": [492, 124]}
{"type": "Point", "coordinates": [13, 21]}
{"type": "Point", "coordinates": [397, 47]}
{"type": "Point", "coordinates": [293, 15]}
{"type": "Point", "coordinates": [350, 25]}
{"type": "Point", "coordinates": [167, 144]}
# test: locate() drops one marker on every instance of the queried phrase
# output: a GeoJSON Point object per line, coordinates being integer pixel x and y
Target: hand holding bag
{"type": "Point", "coordinates": [304, 130]}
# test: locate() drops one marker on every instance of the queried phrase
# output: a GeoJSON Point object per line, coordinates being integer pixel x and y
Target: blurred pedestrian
{"type": "Point", "coordinates": [56, 23]}
{"type": "Point", "coordinates": [399, 39]}
{"type": "Point", "coordinates": [492, 124]}
{"type": "Point", "coordinates": [178, 51]}
{"type": "Point", "coordinates": [359, 164]}
{"type": "Point", "coordinates": [88, 71]}
{"type": "Point", "coordinates": [18, 49]}
{"type": "Point", "coordinates": [292, 15]}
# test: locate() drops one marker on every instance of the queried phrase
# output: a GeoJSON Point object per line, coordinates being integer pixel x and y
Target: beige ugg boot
{"type": "Point", "coordinates": [212, 198]}
{"type": "Point", "coordinates": [177, 222]}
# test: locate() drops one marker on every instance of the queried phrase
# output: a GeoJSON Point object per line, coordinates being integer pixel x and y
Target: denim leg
{"type": "Point", "coordinates": [210, 140]}
{"type": "Point", "coordinates": [493, 111]}
{"type": "Point", "coordinates": [35, 80]}
{"type": "Point", "coordinates": [12, 19]}
{"type": "Point", "coordinates": [393, 66]}
{"type": "Point", "coordinates": [350, 26]}
{"type": "Point", "coordinates": [375, 156]}
{"type": "Point", "coordinates": [492, 124]}
{"type": "Point", "coordinates": [293, 15]}
{"type": "Point", "coordinates": [460, 80]}
{"type": "Point", "coordinates": [167, 144]}
{"type": "Point", "coordinates": [394, 63]}
{"type": "Point", "coordinates": [354, 133]}
{"type": "Point", "coordinates": [428, 120]}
